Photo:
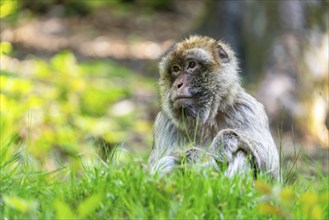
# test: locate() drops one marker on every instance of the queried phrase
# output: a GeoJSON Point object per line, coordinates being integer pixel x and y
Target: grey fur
{"type": "Point", "coordinates": [226, 124]}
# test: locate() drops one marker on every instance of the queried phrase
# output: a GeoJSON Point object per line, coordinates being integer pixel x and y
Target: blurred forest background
{"type": "Point", "coordinates": [79, 77]}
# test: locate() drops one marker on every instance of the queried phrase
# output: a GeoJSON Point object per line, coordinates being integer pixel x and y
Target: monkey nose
{"type": "Point", "coordinates": [179, 85]}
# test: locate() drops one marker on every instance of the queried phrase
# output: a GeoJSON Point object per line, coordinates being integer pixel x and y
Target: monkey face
{"type": "Point", "coordinates": [181, 93]}
{"type": "Point", "coordinates": [191, 79]}
{"type": "Point", "coordinates": [187, 95]}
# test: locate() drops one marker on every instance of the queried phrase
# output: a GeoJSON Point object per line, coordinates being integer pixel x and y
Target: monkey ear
{"type": "Point", "coordinates": [224, 57]}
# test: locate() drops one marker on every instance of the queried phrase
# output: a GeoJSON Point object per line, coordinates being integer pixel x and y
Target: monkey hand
{"type": "Point", "coordinates": [227, 143]}
{"type": "Point", "coordinates": [193, 154]}
{"type": "Point", "coordinates": [229, 147]}
{"type": "Point", "coordinates": [201, 158]}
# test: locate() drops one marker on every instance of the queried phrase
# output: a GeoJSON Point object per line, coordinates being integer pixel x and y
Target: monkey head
{"type": "Point", "coordinates": [198, 78]}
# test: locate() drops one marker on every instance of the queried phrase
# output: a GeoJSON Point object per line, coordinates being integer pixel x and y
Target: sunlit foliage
{"type": "Point", "coordinates": [61, 108]}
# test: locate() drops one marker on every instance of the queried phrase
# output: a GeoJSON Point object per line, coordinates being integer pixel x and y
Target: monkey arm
{"type": "Point", "coordinates": [240, 164]}
{"type": "Point", "coordinates": [230, 147]}
{"type": "Point", "coordinates": [165, 153]}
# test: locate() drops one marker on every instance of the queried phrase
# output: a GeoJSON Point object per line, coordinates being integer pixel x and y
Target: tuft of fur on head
{"type": "Point", "coordinates": [214, 89]}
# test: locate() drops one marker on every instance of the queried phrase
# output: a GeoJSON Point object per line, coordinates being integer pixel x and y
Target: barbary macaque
{"type": "Point", "coordinates": [206, 117]}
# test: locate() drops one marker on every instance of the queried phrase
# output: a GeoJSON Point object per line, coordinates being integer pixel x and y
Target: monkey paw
{"type": "Point", "coordinates": [164, 165]}
{"type": "Point", "coordinates": [192, 155]}
{"type": "Point", "coordinates": [195, 155]}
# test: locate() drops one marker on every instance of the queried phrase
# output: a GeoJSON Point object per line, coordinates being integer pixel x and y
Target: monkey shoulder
{"type": "Point", "coordinates": [247, 113]}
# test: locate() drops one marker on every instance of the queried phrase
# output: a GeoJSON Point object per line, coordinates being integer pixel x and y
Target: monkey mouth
{"type": "Point", "coordinates": [181, 101]}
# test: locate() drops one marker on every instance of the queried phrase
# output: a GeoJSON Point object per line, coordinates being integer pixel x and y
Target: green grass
{"type": "Point", "coordinates": [122, 187]}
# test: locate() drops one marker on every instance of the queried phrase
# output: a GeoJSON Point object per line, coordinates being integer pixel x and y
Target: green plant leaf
{"type": "Point", "coordinates": [20, 204]}
{"type": "Point", "coordinates": [5, 48]}
{"type": "Point", "coordinates": [89, 205]}
{"type": "Point", "coordinates": [63, 211]}
{"type": "Point", "coordinates": [7, 8]}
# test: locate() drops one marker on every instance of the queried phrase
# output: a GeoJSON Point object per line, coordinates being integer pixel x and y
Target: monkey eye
{"type": "Point", "coordinates": [176, 69]}
{"type": "Point", "coordinates": [191, 64]}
